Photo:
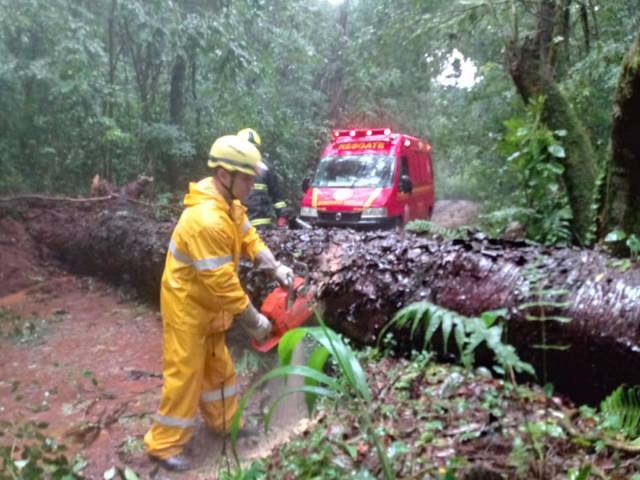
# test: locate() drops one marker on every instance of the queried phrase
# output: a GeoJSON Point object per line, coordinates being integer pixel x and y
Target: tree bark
{"type": "Point", "coordinates": [363, 278]}
{"type": "Point", "coordinates": [176, 113]}
{"type": "Point", "coordinates": [530, 67]}
{"type": "Point", "coordinates": [623, 180]}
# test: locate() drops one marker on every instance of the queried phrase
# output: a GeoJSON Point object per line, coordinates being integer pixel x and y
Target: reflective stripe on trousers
{"type": "Point", "coordinates": [174, 421]}
{"type": "Point", "coordinates": [198, 373]}
{"type": "Point", "coordinates": [219, 394]}
{"type": "Point", "coordinates": [210, 396]}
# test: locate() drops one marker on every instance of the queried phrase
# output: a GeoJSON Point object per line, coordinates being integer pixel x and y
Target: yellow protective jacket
{"type": "Point", "coordinates": [200, 291]}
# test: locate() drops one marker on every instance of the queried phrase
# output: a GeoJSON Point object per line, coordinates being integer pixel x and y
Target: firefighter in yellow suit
{"type": "Point", "coordinates": [201, 296]}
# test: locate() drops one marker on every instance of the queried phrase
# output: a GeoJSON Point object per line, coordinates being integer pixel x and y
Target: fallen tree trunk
{"type": "Point", "coordinates": [364, 278]}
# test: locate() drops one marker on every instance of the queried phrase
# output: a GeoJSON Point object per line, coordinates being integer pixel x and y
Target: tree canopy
{"type": "Point", "coordinates": [127, 87]}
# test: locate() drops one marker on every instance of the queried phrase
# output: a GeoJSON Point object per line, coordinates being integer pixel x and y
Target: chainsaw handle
{"type": "Point", "coordinates": [302, 268]}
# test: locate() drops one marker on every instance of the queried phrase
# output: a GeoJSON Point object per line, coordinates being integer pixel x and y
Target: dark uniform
{"type": "Point", "coordinates": [264, 199]}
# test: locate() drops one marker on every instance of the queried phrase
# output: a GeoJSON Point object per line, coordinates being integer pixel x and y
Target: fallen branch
{"type": "Point", "coordinates": [58, 199]}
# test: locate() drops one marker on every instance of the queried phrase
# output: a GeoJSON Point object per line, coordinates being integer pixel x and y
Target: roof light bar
{"type": "Point", "coordinates": [362, 132]}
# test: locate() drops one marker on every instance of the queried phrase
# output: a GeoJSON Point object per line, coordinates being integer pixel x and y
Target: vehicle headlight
{"type": "Point", "coordinates": [308, 212]}
{"type": "Point", "coordinates": [374, 213]}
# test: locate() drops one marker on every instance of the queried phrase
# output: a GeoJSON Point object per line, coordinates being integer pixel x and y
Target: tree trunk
{"type": "Point", "coordinates": [362, 279]}
{"type": "Point", "coordinates": [621, 206]}
{"type": "Point", "coordinates": [176, 113]}
{"type": "Point", "coordinates": [531, 70]}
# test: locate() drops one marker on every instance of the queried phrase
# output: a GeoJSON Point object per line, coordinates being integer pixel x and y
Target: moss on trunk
{"type": "Point", "coordinates": [532, 76]}
{"type": "Point", "coordinates": [621, 206]}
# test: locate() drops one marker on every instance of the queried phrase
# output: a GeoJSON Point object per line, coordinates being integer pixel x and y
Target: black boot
{"type": "Point", "coordinates": [177, 463]}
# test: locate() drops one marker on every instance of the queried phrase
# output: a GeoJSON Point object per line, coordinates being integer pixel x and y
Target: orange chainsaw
{"type": "Point", "coordinates": [286, 308]}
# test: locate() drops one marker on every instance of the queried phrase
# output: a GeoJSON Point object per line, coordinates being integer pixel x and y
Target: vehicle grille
{"type": "Point", "coordinates": [339, 216]}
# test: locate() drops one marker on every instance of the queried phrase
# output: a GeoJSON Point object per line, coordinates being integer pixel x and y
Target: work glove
{"type": "Point", "coordinates": [279, 272]}
{"type": "Point", "coordinates": [254, 323]}
{"type": "Point", "coordinates": [284, 275]}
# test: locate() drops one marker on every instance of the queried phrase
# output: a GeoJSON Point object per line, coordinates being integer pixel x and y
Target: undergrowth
{"type": "Point", "coordinates": [431, 228]}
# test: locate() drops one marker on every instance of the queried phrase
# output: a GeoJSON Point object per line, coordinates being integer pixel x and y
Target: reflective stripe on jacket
{"type": "Point", "coordinates": [200, 290]}
{"type": "Point", "coordinates": [266, 197]}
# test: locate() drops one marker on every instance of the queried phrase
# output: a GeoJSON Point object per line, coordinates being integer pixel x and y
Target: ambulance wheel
{"type": "Point", "coordinates": [398, 223]}
{"type": "Point", "coordinates": [430, 213]}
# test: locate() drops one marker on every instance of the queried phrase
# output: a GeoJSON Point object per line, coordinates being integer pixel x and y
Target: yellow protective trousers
{"type": "Point", "coordinates": [197, 371]}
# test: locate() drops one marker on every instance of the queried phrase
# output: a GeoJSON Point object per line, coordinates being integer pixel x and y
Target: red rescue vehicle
{"type": "Point", "coordinates": [370, 178]}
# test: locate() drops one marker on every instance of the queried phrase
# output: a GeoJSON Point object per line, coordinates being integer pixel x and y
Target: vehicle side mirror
{"type": "Point", "coordinates": [305, 184]}
{"type": "Point", "coordinates": [406, 186]}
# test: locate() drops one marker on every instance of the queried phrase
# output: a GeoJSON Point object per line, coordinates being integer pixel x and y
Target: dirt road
{"type": "Point", "coordinates": [455, 213]}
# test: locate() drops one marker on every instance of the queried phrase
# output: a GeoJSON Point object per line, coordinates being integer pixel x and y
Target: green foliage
{"type": "Point", "coordinates": [621, 411]}
{"type": "Point", "coordinates": [31, 455]}
{"type": "Point", "coordinates": [425, 226]}
{"type": "Point", "coordinates": [496, 221]}
{"type": "Point", "coordinates": [632, 242]}
{"type": "Point", "coordinates": [84, 99]}
{"type": "Point", "coordinates": [350, 386]}
{"type": "Point", "coordinates": [255, 471]}
{"type": "Point", "coordinates": [533, 156]}
{"type": "Point", "coordinates": [581, 474]}
{"type": "Point", "coordinates": [464, 126]}
{"type": "Point", "coordinates": [468, 333]}
{"type": "Point", "coordinates": [26, 331]}
{"type": "Point", "coordinates": [531, 443]}
{"type": "Point", "coordinates": [542, 306]}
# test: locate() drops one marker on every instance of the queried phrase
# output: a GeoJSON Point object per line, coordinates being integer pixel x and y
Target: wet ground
{"type": "Point", "coordinates": [455, 213]}
{"type": "Point", "coordinates": [85, 358]}
{"type": "Point", "coordinates": [81, 357]}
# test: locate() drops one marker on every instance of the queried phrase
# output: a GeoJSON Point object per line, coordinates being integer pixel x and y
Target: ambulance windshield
{"type": "Point", "coordinates": [355, 170]}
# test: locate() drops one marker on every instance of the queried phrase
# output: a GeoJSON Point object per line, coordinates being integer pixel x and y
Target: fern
{"type": "Point", "coordinates": [428, 227]}
{"type": "Point", "coordinates": [621, 410]}
{"type": "Point", "coordinates": [468, 332]}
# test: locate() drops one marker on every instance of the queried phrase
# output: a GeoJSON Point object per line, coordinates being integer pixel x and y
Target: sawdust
{"type": "Point", "coordinates": [93, 373]}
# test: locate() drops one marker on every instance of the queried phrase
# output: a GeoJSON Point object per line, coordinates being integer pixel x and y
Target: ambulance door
{"type": "Point", "coordinates": [419, 197]}
{"type": "Point", "coordinates": [404, 193]}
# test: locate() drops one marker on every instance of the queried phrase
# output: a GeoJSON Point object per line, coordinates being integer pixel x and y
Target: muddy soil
{"type": "Point", "coordinates": [19, 257]}
{"type": "Point", "coordinates": [86, 359]}
{"type": "Point", "coordinates": [80, 356]}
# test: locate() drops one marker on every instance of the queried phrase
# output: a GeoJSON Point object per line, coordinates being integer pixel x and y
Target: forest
{"type": "Point", "coordinates": [497, 338]}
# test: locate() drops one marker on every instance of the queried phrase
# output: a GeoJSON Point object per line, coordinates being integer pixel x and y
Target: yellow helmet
{"type": "Point", "coordinates": [251, 135]}
{"type": "Point", "coordinates": [236, 154]}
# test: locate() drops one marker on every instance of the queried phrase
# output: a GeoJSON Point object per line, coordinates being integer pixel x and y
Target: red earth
{"type": "Point", "coordinates": [80, 356]}
{"type": "Point", "coordinates": [86, 358]}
